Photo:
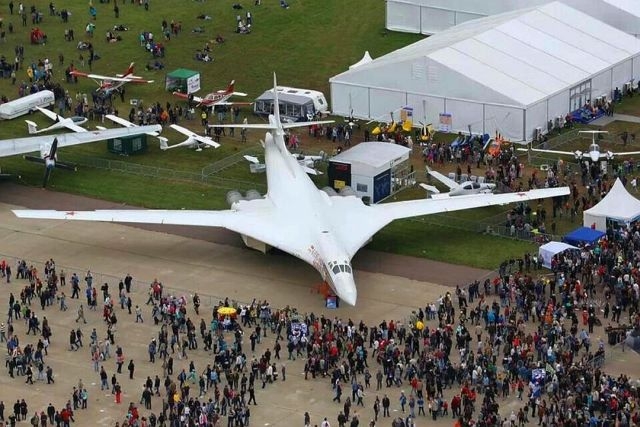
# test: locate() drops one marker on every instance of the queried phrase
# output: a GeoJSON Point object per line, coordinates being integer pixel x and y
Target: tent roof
{"type": "Point", "coordinates": [556, 247]}
{"type": "Point", "coordinates": [525, 55]}
{"type": "Point", "coordinates": [618, 203]}
{"type": "Point", "coordinates": [182, 73]}
{"type": "Point", "coordinates": [629, 6]}
{"type": "Point", "coordinates": [366, 58]}
{"type": "Point", "coordinates": [583, 234]}
{"type": "Point", "coordinates": [376, 154]}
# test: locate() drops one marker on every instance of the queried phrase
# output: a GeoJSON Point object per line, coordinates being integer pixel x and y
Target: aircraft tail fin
{"type": "Point", "coordinates": [164, 142]}
{"type": "Point", "coordinates": [129, 69]}
{"type": "Point", "coordinates": [231, 86]}
{"type": "Point", "coordinates": [276, 103]}
{"type": "Point", "coordinates": [32, 126]}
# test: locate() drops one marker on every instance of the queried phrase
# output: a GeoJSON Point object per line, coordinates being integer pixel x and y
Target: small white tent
{"type": "Point", "coordinates": [548, 250]}
{"type": "Point", "coordinates": [618, 205]}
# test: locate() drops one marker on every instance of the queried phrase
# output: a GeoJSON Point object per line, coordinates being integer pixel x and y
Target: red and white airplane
{"type": "Point", "coordinates": [109, 83]}
{"type": "Point", "coordinates": [216, 98]}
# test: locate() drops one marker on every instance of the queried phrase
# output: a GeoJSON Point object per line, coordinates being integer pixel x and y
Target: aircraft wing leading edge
{"type": "Point", "coordinates": [358, 223]}
{"type": "Point", "coordinates": [257, 219]}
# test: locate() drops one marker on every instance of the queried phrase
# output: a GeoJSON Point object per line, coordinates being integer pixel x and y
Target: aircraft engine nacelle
{"type": "Point", "coordinates": [234, 197]}
{"type": "Point", "coordinates": [253, 195]}
{"type": "Point", "coordinates": [347, 191]}
{"type": "Point", "coordinates": [330, 191]}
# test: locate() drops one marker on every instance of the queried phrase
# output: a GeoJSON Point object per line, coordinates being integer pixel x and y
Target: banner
{"type": "Point", "coordinates": [445, 122]}
{"type": "Point", "coordinates": [193, 83]}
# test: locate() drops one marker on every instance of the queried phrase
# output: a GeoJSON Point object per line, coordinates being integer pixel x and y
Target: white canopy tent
{"type": "Point", "coordinates": [366, 58]}
{"type": "Point", "coordinates": [549, 250]}
{"type": "Point", "coordinates": [509, 73]}
{"type": "Point", "coordinates": [618, 205]}
{"type": "Point", "coordinates": [433, 16]}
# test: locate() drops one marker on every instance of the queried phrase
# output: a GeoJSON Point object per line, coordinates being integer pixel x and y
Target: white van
{"type": "Point", "coordinates": [26, 104]}
{"type": "Point", "coordinates": [295, 104]}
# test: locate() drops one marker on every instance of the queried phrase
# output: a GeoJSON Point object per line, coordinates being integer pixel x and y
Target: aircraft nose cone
{"type": "Point", "coordinates": [346, 289]}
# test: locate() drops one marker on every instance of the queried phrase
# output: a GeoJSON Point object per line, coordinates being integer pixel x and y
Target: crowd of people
{"type": "Point", "coordinates": [468, 355]}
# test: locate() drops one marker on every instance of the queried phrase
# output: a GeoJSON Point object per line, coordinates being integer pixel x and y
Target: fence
{"type": "Point", "coordinates": [166, 173]}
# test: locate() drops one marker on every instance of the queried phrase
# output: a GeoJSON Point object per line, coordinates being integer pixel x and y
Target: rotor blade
{"type": "Point", "coordinates": [54, 149]}
{"type": "Point", "coordinates": [47, 174]}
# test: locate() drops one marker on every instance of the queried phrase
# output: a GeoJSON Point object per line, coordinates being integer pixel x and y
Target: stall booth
{"type": "Point", "coordinates": [371, 170]}
{"type": "Point", "coordinates": [583, 236]}
{"type": "Point", "coordinates": [551, 249]}
{"type": "Point", "coordinates": [183, 80]}
{"type": "Point", "coordinates": [617, 208]}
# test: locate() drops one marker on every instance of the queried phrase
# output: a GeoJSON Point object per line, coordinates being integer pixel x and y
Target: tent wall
{"type": "Point", "coordinates": [599, 221]}
{"type": "Point", "coordinates": [432, 16]}
{"type": "Point", "coordinates": [375, 104]}
{"type": "Point", "coordinates": [403, 16]}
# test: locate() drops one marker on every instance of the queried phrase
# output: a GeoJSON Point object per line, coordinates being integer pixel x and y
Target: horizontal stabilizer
{"type": "Point", "coordinates": [251, 159]}
{"type": "Point", "coordinates": [430, 188]}
{"type": "Point", "coordinates": [32, 126]}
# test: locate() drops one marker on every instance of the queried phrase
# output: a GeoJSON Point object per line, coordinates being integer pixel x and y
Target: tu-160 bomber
{"type": "Point", "coordinates": [294, 216]}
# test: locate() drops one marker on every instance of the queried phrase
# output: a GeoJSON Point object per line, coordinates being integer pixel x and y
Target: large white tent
{"type": "Point", "coordinates": [433, 16]}
{"type": "Point", "coordinates": [509, 73]}
{"type": "Point", "coordinates": [618, 206]}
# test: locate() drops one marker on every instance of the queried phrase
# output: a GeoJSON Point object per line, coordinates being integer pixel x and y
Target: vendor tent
{"type": "Point", "coordinates": [509, 74]}
{"type": "Point", "coordinates": [433, 16]}
{"type": "Point", "coordinates": [183, 80]}
{"type": "Point", "coordinates": [617, 206]}
{"type": "Point", "coordinates": [549, 250]}
{"type": "Point", "coordinates": [583, 236]}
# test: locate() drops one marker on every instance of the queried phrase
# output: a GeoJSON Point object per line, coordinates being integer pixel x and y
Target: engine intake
{"type": "Point", "coordinates": [234, 197]}
{"type": "Point", "coordinates": [330, 191]}
{"type": "Point", "coordinates": [253, 195]}
{"type": "Point", "coordinates": [347, 191]}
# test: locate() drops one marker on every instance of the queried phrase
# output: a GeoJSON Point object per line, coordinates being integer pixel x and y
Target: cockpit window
{"type": "Point", "coordinates": [337, 268]}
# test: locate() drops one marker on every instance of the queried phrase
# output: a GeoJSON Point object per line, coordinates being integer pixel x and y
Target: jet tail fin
{"type": "Point", "coordinates": [32, 126]}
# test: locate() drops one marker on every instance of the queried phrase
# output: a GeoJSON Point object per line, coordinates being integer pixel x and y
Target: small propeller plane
{"type": "Point", "coordinates": [126, 123]}
{"type": "Point", "coordinates": [322, 228]}
{"type": "Point", "coordinates": [48, 146]}
{"type": "Point", "coordinates": [213, 99]}
{"type": "Point", "coordinates": [71, 123]}
{"type": "Point", "coordinates": [111, 83]}
{"type": "Point", "coordinates": [455, 189]}
{"type": "Point", "coordinates": [193, 140]}
{"type": "Point", "coordinates": [308, 163]}
{"type": "Point", "coordinates": [594, 154]}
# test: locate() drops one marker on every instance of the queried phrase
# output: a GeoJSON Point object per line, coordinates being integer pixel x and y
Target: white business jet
{"type": "Point", "coordinates": [296, 217]}
{"type": "Point", "coordinates": [72, 123]}
{"type": "Point", "coordinates": [463, 189]}
{"type": "Point", "coordinates": [594, 154]}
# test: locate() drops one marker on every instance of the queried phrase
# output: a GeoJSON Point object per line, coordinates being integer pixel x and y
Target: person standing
{"type": "Point", "coordinates": [118, 392]}
{"type": "Point", "coordinates": [131, 368]}
{"type": "Point", "coordinates": [81, 314]}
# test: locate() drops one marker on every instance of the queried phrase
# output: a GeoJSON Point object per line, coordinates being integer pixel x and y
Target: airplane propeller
{"type": "Point", "coordinates": [50, 162]}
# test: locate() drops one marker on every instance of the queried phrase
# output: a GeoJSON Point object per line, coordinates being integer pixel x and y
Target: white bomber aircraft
{"type": "Point", "coordinates": [296, 217]}
{"type": "Point", "coordinates": [463, 189]}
